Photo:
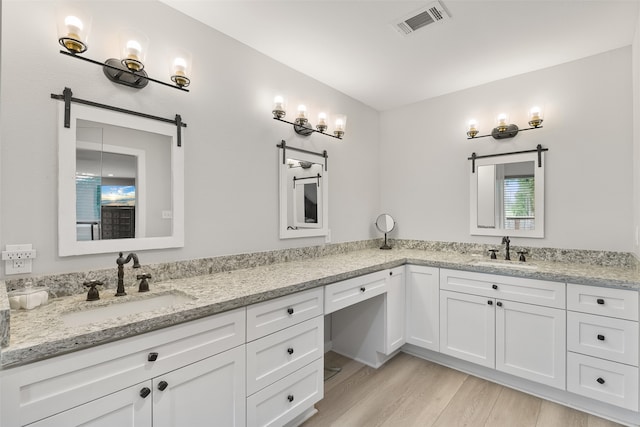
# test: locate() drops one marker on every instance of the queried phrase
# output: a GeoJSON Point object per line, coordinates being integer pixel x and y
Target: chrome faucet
{"type": "Point", "coordinates": [121, 262]}
{"type": "Point", "coordinates": [506, 241]}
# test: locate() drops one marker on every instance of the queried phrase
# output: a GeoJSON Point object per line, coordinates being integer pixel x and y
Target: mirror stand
{"type": "Point", "coordinates": [385, 224]}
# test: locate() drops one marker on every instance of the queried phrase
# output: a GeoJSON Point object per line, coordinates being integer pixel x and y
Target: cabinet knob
{"type": "Point", "coordinates": [152, 357]}
{"type": "Point", "coordinates": [601, 337]}
{"type": "Point", "coordinates": [290, 310]}
{"type": "Point", "coordinates": [499, 304]}
{"type": "Point", "coordinates": [362, 289]}
{"type": "Point", "coordinates": [162, 385]}
{"type": "Point", "coordinates": [600, 301]}
{"type": "Point", "coordinates": [494, 286]}
{"type": "Point", "coordinates": [391, 273]}
{"type": "Point", "coordinates": [490, 302]}
{"type": "Point", "coordinates": [290, 398]}
{"type": "Point", "coordinates": [146, 391]}
{"type": "Point", "coordinates": [290, 350]}
{"type": "Point", "coordinates": [600, 380]}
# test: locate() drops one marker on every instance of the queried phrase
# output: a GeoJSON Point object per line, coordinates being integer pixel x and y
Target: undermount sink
{"type": "Point", "coordinates": [506, 264]}
{"type": "Point", "coordinates": [125, 308]}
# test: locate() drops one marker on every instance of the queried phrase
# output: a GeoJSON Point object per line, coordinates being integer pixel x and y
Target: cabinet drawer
{"type": "Point", "coordinates": [288, 398]}
{"type": "Point", "coordinates": [530, 291]}
{"type": "Point", "coordinates": [44, 388]}
{"type": "Point", "coordinates": [270, 316]}
{"type": "Point", "coordinates": [604, 337]}
{"type": "Point", "coordinates": [621, 303]}
{"type": "Point", "coordinates": [603, 380]}
{"type": "Point", "coordinates": [352, 291]}
{"type": "Point", "coordinates": [277, 355]}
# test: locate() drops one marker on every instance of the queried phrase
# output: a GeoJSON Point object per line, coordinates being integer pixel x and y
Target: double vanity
{"type": "Point", "coordinates": [245, 347]}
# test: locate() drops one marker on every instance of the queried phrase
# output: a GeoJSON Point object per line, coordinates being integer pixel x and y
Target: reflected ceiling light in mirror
{"type": "Point", "coordinates": [301, 123]}
{"type": "Point", "coordinates": [73, 32]}
{"type": "Point", "coordinates": [503, 128]}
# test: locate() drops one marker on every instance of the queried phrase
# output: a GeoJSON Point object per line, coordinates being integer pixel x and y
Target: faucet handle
{"type": "Point", "coordinates": [522, 254]}
{"type": "Point", "coordinates": [144, 285]}
{"type": "Point", "coordinates": [93, 294]}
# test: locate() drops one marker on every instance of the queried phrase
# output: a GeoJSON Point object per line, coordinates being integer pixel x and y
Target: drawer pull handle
{"type": "Point", "coordinates": [499, 304]}
{"type": "Point", "coordinates": [490, 302]}
{"type": "Point", "coordinates": [145, 392]}
{"type": "Point", "coordinates": [152, 357]}
{"type": "Point", "coordinates": [362, 289]}
{"type": "Point", "coordinates": [290, 310]}
{"type": "Point", "coordinates": [601, 337]}
{"type": "Point", "coordinates": [600, 380]}
{"type": "Point", "coordinates": [162, 385]}
{"type": "Point", "coordinates": [494, 286]}
{"type": "Point", "coordinates": [290, 350]}
{"type": "Point", "coordinates": [600, 301]}
{"type": "Point", "coordinates": [290, 398]}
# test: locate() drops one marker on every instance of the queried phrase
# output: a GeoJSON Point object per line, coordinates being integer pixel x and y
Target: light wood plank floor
{"type": "Point", "coordinates": [408, 391]}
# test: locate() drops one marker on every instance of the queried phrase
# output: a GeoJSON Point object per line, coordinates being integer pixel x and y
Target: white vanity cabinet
{"type": "Point", "coordinates": [285, 355]}
{"type": "Point", "coordinates": [602, 331]}
{"type": "Point", "coordinates": [368, 315]}
{"type": "Point", "coordinates": [423, 306]}
{"type": "Point", "coordinates": [151, 376]}
{"type": "Point", "coordinates": [514, 325]}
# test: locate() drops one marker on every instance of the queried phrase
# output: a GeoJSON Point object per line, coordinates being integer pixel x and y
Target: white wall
{"type": "Point", "coordinates": [231, 197]}
{"type": "Point", "coordinates": [589, 170]}
{"type": "Point", "coordinates": [636, 137]}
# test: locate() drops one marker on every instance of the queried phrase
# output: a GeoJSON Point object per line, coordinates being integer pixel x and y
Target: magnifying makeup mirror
{"type": "Point", "coordinates": [385, 224]}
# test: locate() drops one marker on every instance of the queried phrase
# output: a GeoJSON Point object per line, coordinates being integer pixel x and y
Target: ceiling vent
{"type": "Point", "coordinates": [430, 14]}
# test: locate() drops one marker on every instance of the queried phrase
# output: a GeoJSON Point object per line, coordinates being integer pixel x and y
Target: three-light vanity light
{"type": "Point", "coordinates": [301, 123]}
{"type": "Point", "coordinates": [73, 34]}
{"type": "Point", "coordinates": [503, 128]}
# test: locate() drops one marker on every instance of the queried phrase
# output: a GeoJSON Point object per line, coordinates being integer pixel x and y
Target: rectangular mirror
{"type": "Point", "coordinates": [120, 183]}
{"type": "Point", "coordinates": [507, 196]}
{"type": "Point", "coordinates": [304, 193]}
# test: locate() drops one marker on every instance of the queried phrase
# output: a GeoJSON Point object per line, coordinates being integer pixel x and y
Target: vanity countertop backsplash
{"type": "Point", "coordinates": [210, 286]}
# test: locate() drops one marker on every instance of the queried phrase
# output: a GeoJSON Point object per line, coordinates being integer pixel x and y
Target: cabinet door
{"type": "Point", "coordinates": [125, 408]}
{"type": "Point", "coordinates": [395, 327]}
{"type": "Point", "coordinates": [209, 392]}
{"type": "Point", "coordinates": [530, 342]}
{"type": "Point", "coordinates": [423, 307]}
{"type": "Point", "coordinates": [467, 327]}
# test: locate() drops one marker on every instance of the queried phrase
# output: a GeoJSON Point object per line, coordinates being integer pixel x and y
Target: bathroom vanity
{"type": "Point", "coordinates": [250, 342]}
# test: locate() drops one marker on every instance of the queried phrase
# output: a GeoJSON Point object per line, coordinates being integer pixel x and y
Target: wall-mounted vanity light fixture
{"type": "Point", "coordinates": [301, 123]}
{"type": "Point", "coordinates": [503, 128]}
{"type": "Point", "coordinates": [73, 32]}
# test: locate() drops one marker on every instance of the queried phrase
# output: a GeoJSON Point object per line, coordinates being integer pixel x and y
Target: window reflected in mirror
{"type": "Point", "coordinates": [507, 196]}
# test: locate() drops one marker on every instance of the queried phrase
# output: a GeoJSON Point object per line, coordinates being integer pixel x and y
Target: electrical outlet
{"type": "Point", "coordinates": [167, 214]}
{"type": "Point", "coordinates": [18, 259]}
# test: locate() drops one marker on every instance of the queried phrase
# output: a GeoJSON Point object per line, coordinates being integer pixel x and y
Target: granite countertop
{"type": "Point", "coordinates": [43, 332]}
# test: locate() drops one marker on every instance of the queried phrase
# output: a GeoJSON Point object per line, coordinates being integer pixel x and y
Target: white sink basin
{"type": "Point", "coordinates": [506, 264]}
{"type": "Point", "coordinates": [119, 309]}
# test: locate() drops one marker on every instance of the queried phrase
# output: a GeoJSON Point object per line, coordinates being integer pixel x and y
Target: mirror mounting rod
{"type": "Point", "coordinates": [284, 147]}
{"type": "Point", "coordinates": [67, 97]}
{"type": "Point", "coordinates": [538, 149]}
